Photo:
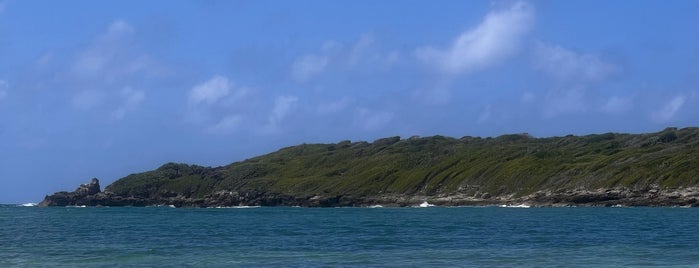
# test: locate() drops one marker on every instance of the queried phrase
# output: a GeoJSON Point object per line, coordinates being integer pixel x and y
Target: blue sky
{"type": "Point", "coordinates": [104, 89]}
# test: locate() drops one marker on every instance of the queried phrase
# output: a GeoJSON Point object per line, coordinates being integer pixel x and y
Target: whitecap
{"type": "Point", "coordinates": [27, 205]}
{"type": "Point", "coordinates": [375, 206]}
{"type": "Point", "coordinates": [425, 205]}
{"type": "Point", "coordinates": [515, 206]}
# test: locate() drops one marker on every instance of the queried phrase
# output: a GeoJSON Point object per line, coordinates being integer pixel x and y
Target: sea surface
{"type": "Point", "coordinates": [362, 237]}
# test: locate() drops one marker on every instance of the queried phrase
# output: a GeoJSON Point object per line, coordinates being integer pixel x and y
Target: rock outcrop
{"type": "Point", "coordinates": [75, 198]}
{"type": "Point", "coordinates": [90, 195]}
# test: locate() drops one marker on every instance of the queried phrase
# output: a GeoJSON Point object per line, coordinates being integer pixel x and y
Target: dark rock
{"type": "Point", "coordinates": [83, 195]}
{"type": "Point", "coordinates": [89, 189]}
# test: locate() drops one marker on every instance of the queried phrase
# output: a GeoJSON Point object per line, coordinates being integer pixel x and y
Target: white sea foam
{"type": "Point", "coordinates": [375, 206]}
{"type": "Point", "coordinates": [27, 205]}
{"type": "Point", "coordinates": [83, 206]}
{"type": "Point", "coordinates": [425, 205]}
{"type": "Point", "coordinates": [172, 206]}
{"type": "Point", "coordinates": [238, 207]}
{"type": "Point", "coordinates": [515, 206]}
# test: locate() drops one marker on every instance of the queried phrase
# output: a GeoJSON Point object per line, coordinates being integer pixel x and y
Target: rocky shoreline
{"type": "Point", "coordinates": [91, 195]}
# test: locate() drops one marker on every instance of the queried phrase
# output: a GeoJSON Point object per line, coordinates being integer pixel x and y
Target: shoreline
{"type": "Point", "coordinates": [653, 197]}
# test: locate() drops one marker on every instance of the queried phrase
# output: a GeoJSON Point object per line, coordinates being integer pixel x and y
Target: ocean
{"type": "Point", "coordinates": [344, 237]}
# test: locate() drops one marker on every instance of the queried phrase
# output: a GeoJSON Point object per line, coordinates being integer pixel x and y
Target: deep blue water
{"type": "Point", "coordinates": [465, 236]}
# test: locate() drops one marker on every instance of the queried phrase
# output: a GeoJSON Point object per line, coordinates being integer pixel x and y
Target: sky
{"type": "Point", "coordinates": [109, 88]}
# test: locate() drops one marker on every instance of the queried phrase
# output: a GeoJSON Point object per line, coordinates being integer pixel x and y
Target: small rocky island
{"type": "Point", "coordinates": [611, 169]}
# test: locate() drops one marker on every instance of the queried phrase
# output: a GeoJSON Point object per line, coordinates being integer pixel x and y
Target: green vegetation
{"type": "Point", "coordinates": [510, 164]}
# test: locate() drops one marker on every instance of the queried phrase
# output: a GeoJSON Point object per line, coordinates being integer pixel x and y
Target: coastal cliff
{"type": "Point", "coordinates": [653, 169]}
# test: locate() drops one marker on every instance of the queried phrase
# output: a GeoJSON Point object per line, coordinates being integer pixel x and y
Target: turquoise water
{"type": "Point", "coordinates": [466, 236]}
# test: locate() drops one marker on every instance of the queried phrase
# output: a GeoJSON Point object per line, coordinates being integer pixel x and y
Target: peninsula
{"type": "Point", "coordinates": [653, 169]}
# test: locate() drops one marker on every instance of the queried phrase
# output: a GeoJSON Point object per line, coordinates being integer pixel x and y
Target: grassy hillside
{"type": "Point", "coordinates": [518, 164]}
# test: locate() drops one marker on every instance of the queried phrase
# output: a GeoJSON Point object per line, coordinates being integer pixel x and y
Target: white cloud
{"type": "Point", "coordinates": [364, 55]}
{"type": "Point", "coordinates": [494, 39]}
{"type": "Point", "coordinates": [131, 99]}
{"type": "Point", "coordinates": [370, 120]}
{"type": "Point", "coordinates": [308, 66]}
{"type": "Point", "coordinates": [566, 65]}
{"type": "Point", "coordinates": [210, 91]}
{"type": "Point", "coordinates": [669, 109]}
{"type": "Point", "coordinates": [108, 54]}
{"type": "Point", "coordinates": [226, 125]}
{"type": "Point", "coordinates": [617, 105]}
{"type": "Point", "coordinates": [100, 72]}
{"type": "Point", "coordinates": [218, 106]}
{"type": "Point", "coordinates": [282, 106]}
{"type": "Point", "coordinates": [361, 49]}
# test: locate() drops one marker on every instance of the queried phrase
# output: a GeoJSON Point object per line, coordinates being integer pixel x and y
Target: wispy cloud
{"type": "Point", "coordinates": [617, 105]}
{"type": "Point", "coordinates": [497, 37]}
{"type": "Point", "coordinates": [370, 120]}
{"type": "Point", "coordinates": [365, 54]}
{"type": "Point", "coordinates": [308, 66]}
{"type": "Point", "coordinates": [566, 65]}
{"type": "Point", "coordinates": [102, 71]}
{"type": "Point", "coordinates": [669, 109]}
{"type": "Point", "coordinates": [282, 106]}
{"type": "Point", "coordinates": [215, 104]}
{"type": "Point", "coordinates": [130, 100]}
{"type": "Point", "coordinates": [575, 73]}
{"type": "Point", "coordinates": [226, 125]}
{"type": "Point", "coordinates": [210, 91]}
{"type": "Point", "coordinates": [106, 51]}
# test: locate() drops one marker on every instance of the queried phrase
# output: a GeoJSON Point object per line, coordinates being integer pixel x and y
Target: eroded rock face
{"type": "Point", "coordinates": [89, 189]}
{"type": "Point", "coordinates": [91, 195]}
{"type": "Point", "coordinates": [79, 197]}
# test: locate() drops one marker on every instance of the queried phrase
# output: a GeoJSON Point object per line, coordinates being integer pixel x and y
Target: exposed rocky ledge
{"type": "Point", "coordinates": [84, 191]}
{"type": "Point", "coordinates": [90, 195]}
